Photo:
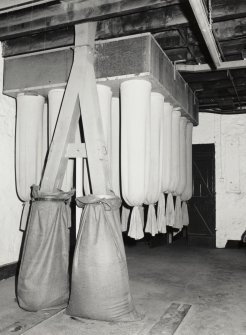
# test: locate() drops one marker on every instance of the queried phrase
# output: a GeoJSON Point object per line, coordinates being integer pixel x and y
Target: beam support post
{"type": "Point", "coordinates": [80, 96]}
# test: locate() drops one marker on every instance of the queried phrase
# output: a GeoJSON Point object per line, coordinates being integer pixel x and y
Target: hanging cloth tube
{"type": "Point", "coordinates": [135, 116]}
{"type": "Point", "coordinates": [161, 214]}
{"type": "Point", "coordinates": [189, 160]}
{"type": "Point", "coordinates": [114, 153]}
{"type": "Point", "coordinates": [166, 131]}
{"type": "Point", "coordinates": [154, 160]}
{"type": "Point", "coordinates": [178, 214]}
{"type": "Point", "coordinates": [187, 194]}
{"type": "Point", "coordinates": [175, 151]}
{"type": "Point", "coordinates": [182, 156]}
{"type": "Point", "coordinates": [167, 146]}
{"type": "Point", "coordinates": [174, 179]}
{"type": "Point", "coordinates": [170, 214]}
{"type": "Point", "coordinates": [136, 223]}
{"type": "Point", "coordinates": [100, 286]}
{"type": "Point", "coordinates": [44, 134]}
{"type": "Point", "coordinates": [105, 101]}
{"type": "Point", "coordinates": [151, 224]}
{"type": "Point", "coordinates": [28, 143]}
{"type": "Point", "coordinates": [29, 148]}
{"type": "Point", "coordinates": [55, 97]}
{"type": "Point", "coordinates": [125, 216]}
{"type": "Point", "coordinates": [154, 157]}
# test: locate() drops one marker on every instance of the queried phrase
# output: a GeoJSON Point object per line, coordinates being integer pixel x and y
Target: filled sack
{"type": "Point", "coordinates": [100, 286]}
{"type": "Point", "coordinates": [43, 281]}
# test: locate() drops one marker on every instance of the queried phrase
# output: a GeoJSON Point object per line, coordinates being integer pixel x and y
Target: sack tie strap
{"type": "Point", "coordinates": [109, 202]}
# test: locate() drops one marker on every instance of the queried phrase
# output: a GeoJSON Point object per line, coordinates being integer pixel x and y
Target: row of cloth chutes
{"type": "Point", "coordinates": [156, 159]}
{"type": "Point", "coordinates": [149, 147]}
{"type": "Point", "coordinates": [150, 155]}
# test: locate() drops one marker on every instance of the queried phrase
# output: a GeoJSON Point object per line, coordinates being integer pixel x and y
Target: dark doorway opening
{"type": "Point", "coordinates": [201, 230]}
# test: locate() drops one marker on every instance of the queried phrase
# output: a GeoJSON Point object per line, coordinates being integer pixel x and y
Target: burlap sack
{"type": "Point", "coordinates": [100, 286]}
{"type": "Point", "coordinates": [43, 281]}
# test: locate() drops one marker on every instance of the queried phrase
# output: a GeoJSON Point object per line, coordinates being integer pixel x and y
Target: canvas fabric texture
{"type": "Point", "coordinates": [43, 281]}
{"type": "Point", "coordinates": [100, 285]}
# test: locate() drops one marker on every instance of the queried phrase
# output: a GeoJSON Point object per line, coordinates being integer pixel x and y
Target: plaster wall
{"type": "Point", "coordinates": [10, 206]}
{"type": "Point", "coordinates": [228, 133]}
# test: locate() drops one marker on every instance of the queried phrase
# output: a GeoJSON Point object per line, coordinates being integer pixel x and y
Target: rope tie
{"type": "Point", "coordinates": [109, 202]}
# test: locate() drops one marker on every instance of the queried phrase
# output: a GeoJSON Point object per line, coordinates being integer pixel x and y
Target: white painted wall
{"type": "Point", "coordinates": [228, 132]}
{"type": "Point", "coordinates": [10, 206]}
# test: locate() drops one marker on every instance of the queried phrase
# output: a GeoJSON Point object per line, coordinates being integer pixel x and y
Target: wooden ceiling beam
{"type": "Point", "coordinates": [117, 17]}
{"type": "Point", "coordinates": [71, 12]}
{"type": "Point", "coordinates": [229, 29]}
{"type": "Point", "coordinates": [227, 9]}
{"type": "Point", "coordinates": [151, 21]}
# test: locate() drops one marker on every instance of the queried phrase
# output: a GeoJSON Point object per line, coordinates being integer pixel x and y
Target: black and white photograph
{"type": "Point", "coordinates": [123, 167]}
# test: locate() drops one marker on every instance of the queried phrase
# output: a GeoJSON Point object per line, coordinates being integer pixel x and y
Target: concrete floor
{"type": "Point", "coordinates": [212, 281]}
